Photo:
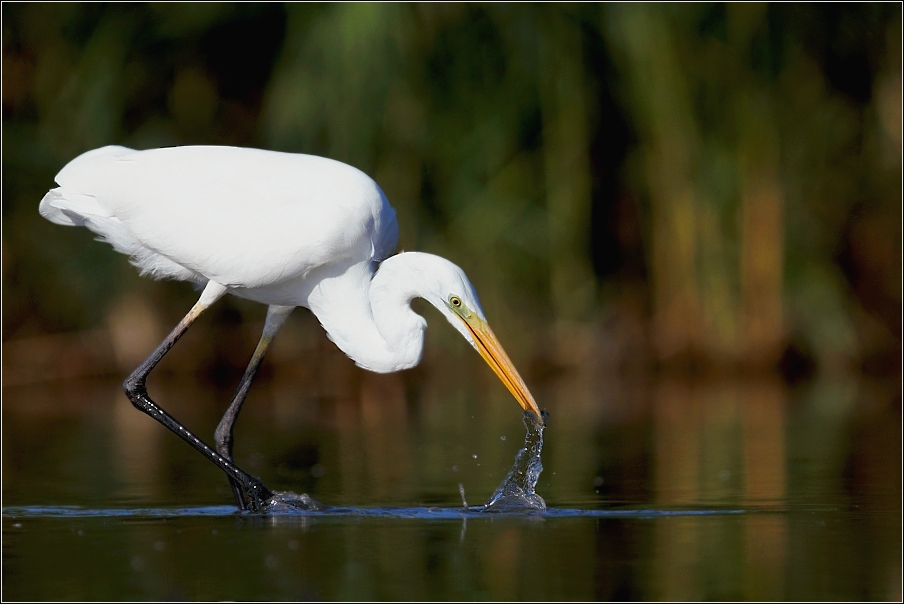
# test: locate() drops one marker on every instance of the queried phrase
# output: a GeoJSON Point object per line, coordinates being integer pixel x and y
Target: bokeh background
{"type": "Point", "coordinates": [697, 187]}
{"type": "Point", "coordinates": [684, 223]}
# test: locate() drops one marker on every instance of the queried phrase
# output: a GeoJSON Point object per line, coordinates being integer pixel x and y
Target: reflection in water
{"type": "Point", "coordinates": [676, 444]}
{"type": "Point", "coordinates": [137, 444]}
{"type": "Point", "coordinates": [720, 443]}
{"type": "Point", "coordinates": [763, 441]}
{"type": "Point", "coordinates": [718, 490]}
{"type": "Point", "coordinates": [517, 493]}
{"type": "Point", "coordinates": [383, 429]}
{"type": "Point", "coordinates": [764, 537]}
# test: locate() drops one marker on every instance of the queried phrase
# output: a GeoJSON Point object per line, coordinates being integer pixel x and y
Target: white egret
{"type": "Point", "coordinates": [281, 229]}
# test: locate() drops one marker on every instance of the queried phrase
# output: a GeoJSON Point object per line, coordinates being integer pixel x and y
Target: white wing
{"type": "Point", "coordinates": [241, 217]}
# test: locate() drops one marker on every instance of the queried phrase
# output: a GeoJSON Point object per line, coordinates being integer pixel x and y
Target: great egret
{"type": "Point", "coordinates": [281, 229]}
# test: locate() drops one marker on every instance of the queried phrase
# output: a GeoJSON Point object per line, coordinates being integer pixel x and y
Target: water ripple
{"type": "Point", "coordinates": [420, 513]}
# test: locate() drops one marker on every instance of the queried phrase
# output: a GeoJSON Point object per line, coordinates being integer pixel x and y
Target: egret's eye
{"type": "Point", "coordinates": [455, 301]}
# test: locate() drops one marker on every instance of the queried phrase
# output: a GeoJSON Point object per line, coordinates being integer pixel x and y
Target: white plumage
{"type": "Point", "coordinates": [282, 229]}
{"type": "Point", "coordinates": [241, 217]}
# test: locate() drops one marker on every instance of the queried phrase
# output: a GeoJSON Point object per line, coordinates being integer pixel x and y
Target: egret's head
{"type": "Point", "coordinates": [446, 287]}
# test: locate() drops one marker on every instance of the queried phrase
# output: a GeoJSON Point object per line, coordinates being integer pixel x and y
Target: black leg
{"type": "Point", "coordinates": [255, 494]}
{"type": "Point", "coordinates": [276, 316]}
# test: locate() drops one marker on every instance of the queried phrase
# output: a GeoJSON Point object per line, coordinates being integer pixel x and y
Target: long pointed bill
{"type": "Point", "coordinates": [491, 350]}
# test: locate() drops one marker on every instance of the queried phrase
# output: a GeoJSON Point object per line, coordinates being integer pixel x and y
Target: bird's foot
{"type": "Point", "coordinates": [258, 499]}
{"type": "Point", "coordinates": [254, 495]}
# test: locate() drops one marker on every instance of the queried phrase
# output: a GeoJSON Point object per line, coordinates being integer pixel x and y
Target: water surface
{"type": "Point", "coordinates": [672, 491]}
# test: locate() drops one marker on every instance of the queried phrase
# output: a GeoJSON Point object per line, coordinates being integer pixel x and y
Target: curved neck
{"type": "Point", "coordinates": [369, 317]}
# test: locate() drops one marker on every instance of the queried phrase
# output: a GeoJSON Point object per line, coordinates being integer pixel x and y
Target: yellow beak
{"type": "Point", "coordinates": [491, 350]}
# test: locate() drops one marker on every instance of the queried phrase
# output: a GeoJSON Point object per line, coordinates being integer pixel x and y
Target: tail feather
{"type": "Point", "coordinates": [62, 206]}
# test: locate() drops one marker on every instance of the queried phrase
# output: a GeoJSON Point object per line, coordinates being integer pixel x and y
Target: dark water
{"type": "Point", "coordinates": [672, 491]}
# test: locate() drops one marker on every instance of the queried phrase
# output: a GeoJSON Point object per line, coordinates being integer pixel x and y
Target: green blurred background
{"type": "Point", "coordinates": [690, 188]}
{"type": "Point", "coordinates": [684, 224]}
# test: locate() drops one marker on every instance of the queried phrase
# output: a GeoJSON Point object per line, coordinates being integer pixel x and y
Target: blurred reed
{"type": "Point", "coordinates": [695, 188]}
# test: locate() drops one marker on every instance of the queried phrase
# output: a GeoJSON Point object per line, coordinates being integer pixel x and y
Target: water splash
{"type": "Point", "coordinates": [288, 501]}
{"type": "Point", "coordinates": [518, 491]}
